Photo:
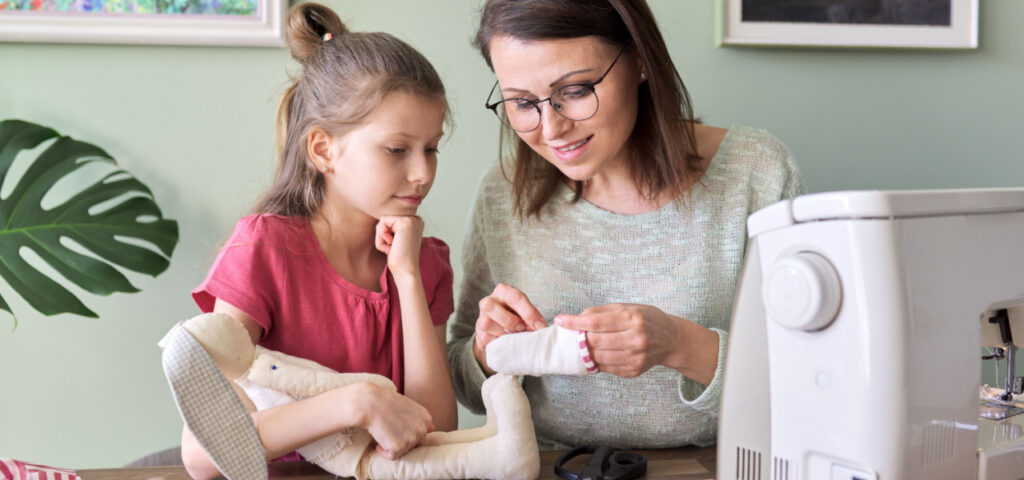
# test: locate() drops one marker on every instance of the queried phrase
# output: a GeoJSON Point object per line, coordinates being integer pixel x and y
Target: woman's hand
{"type": "Point", "coordinates": [396, 422]}
{"type": "Point", "coordinates": [399, 238]}
{"type": "Point", "coordinates": [505, 310]}
{"type": "Point", "coordinates": [628, 339]}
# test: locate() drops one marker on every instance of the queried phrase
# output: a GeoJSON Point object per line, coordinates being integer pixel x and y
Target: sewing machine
{"type": "Point", "coordinates": [854, 351]}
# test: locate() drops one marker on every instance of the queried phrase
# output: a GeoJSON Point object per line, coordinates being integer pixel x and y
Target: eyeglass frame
{"type": "Point", "coordinates": [536, 103]}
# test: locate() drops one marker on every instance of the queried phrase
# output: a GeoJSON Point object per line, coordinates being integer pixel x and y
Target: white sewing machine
{"type": "Point", "coordinates": [854, 352]}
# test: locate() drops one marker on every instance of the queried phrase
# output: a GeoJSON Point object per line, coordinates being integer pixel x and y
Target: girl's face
{"type": "Point", "coordinates": [387, 165]}
{"type": "Point", "coordinates": [532, 70]}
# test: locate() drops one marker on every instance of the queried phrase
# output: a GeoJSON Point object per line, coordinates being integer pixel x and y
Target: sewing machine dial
{"type": "Point", "coordinates": [802, 291]}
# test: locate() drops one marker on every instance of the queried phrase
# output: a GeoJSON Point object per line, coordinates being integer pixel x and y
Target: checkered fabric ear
{"type": "Point", "coordinates": [211, 409]}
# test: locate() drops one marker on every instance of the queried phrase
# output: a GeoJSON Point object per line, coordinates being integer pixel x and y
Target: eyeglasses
{"type": "Point", "coordinates": [576, 102]}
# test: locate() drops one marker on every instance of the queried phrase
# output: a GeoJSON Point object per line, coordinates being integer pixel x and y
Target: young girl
{"type": "Point", "coordinates": [333, 267]}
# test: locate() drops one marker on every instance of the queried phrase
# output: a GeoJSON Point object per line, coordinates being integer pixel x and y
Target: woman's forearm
{"type": "Point", "coordinates": [696, 352]}
{"type": "Point", "coordinates": [427, 379]}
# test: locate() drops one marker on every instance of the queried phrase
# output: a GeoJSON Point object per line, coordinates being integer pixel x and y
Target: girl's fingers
{"type": "Point", "coordinates": [384, 237]}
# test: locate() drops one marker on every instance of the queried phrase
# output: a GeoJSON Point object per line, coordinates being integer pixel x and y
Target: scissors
{"type": "Point", "coordinates": [605, 464]}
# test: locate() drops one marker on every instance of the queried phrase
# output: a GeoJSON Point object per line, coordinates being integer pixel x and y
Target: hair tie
{"type": "Point", "coordinates": [328, 36]}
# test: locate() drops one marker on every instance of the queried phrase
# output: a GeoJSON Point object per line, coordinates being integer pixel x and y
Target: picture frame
{"type": "Point", "coordinates": [939, 24]}
{"type": "Point", "coordinates": [263, 27]}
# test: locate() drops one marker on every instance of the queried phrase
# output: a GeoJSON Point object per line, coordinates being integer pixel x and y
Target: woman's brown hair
{"type": "Point", "coordinates": [344, 76]}
{"type": "Point", "coordinates": [663, 143]}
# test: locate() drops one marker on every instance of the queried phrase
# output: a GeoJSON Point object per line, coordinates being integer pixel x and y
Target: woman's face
{"type": "Point", "coordinates": [532, 70]}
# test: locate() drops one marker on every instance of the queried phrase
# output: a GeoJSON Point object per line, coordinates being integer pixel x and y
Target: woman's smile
{"type": "Point", "coordinates": [571, 151]}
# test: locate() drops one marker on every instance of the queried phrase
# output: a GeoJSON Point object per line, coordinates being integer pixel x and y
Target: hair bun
{"type": "Point", "coordinates": [307, 24]}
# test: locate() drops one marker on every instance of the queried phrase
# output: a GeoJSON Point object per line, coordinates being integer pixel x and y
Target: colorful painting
{"type": "Point", "coordinates": [255, 23]}
{"type": "Point", "coordinates": [187, 7]}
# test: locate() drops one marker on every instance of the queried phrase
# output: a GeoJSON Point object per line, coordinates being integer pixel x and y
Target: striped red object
{"type": "Point", "coordinates": [11, 469]}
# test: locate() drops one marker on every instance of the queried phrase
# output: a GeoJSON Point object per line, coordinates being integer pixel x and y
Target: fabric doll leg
{"type": "Point", "coordinates": [461, 436]}
{"type": "Point", "coordinates": [211, 408]}
{"type": "Point", "coordinates": [303, 378]}
{"type": "Point", "coordinates": [510, 454]}
{"type": "Point", "coordinates": [549, 351]}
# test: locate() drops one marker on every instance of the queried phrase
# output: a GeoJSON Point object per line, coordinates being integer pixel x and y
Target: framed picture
{"type": "Point", "coordinates": [849, 23]}
{"type": "Point", "coordinates": [162, 22]}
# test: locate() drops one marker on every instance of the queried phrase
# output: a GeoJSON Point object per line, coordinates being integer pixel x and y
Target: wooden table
{"type": "Point", "coordinates": [688, 463]}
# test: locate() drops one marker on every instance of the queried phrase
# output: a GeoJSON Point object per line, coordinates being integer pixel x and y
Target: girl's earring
{"type": "Point", "coordinates": [325, 169]}
{"type": "Point", "coordinates": [643, 76]}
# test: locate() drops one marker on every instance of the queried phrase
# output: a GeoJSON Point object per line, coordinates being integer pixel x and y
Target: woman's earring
{"type": "Point", "coordinates": [324, 169]}
{"type": "Point", "coordinates": [643, 76]}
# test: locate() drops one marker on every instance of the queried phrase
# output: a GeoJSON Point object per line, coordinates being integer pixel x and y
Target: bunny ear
{"type": "Point", "coordinates": [211, 409]}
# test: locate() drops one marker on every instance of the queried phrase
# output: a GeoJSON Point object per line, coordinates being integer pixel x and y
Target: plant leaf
{"type": "Point", "coordinates": [122, 208]}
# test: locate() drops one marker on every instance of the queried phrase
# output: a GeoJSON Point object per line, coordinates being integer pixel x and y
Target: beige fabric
{"type": "Point", "coordinates": [504, 448]}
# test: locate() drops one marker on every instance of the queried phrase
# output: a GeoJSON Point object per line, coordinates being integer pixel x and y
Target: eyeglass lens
{"type": "Point", "coordinates": [575, 102]}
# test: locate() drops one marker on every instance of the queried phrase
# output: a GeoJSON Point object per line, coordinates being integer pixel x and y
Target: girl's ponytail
{"type": "Point", "coordinates": [309, 26]}
{"type": "Point", "coordinates": [344, 76]}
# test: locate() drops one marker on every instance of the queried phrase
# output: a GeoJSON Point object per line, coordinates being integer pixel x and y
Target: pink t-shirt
{"type": "Point", "coordinates": [272, 268]}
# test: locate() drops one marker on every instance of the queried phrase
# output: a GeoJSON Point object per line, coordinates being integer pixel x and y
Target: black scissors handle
{"type": "Point", "coordinates": [605, 464]}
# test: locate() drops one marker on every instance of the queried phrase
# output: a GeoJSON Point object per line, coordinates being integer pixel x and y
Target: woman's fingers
{"type": "Point", "coordinates": [618, 362]}
{"type": "Point", "coordinates": [518, 303]}
{"type": "Point", "coordinates": [499, 318]}
{"type": "Point", "coordinates": [625, 339]}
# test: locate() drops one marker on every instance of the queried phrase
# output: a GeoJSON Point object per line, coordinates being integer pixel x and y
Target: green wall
{"type": "Point", "coordinates": [196, 124]}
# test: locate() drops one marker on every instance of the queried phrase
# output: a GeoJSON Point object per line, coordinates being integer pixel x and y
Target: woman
{"type": "Point", "coordinates": [615, 213]}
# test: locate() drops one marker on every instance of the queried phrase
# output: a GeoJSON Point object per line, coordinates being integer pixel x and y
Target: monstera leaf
{"type": "Point", "coordinates": [99, 218]}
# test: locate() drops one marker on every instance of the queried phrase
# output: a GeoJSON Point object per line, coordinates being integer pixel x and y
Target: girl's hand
{"type": "Point", "coordinates": [399, 238]}
{"type": "Point", "coordinates": [506, 310]}
{"type": "Point", "coordinates": [396, 422]}
{"type": "Point", "coordinates": [628, 339]}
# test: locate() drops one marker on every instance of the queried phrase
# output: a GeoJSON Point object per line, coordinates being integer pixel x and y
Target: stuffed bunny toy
{"type": "Point", "coordinates": [504, 448]}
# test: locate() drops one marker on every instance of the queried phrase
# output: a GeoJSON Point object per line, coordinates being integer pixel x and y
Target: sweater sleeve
{"type": "Point", "coordinates": [705, 398]}
{"type": "Point", "coordinates": [467, 375]}
{"type": "Point", "coordinates": [775, 177]}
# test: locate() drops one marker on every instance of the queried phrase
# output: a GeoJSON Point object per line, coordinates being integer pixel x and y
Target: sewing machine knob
{"type": "Point", "coordinates": [802, 291]}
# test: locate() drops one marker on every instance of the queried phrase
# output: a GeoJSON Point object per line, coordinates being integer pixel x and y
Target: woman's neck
{"type": "Point", "coordinates": [614, 189]}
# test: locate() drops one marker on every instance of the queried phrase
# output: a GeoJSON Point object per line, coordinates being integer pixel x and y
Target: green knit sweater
{"type": "Point", "coordinates": [682, 259]}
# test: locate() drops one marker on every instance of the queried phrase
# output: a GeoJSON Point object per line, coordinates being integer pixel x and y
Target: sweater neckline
{"type": "Point", "coordinates": [670, 208]}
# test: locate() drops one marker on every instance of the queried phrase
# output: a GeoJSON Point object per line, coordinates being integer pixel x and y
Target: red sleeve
{"type": "Point", "coordinates": [436, 268]}
{"type": "Point", "coordinates": [242, 274]}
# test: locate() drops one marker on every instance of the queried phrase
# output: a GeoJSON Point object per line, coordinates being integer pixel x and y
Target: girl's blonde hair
{"type": "Point", "coordinates": [344, 76]}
